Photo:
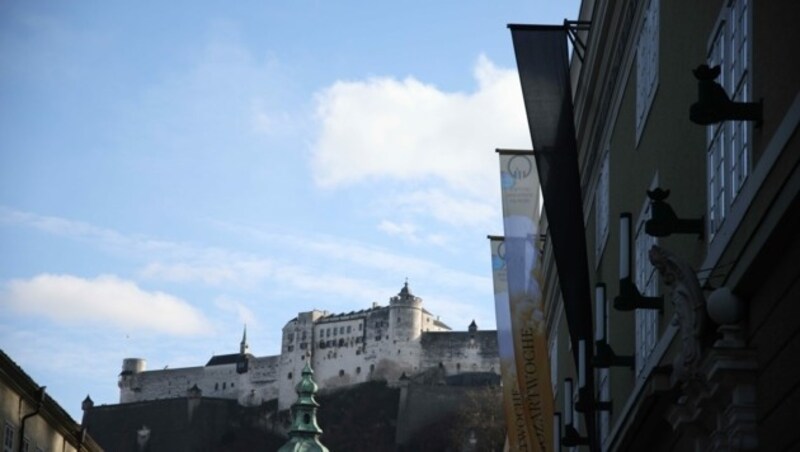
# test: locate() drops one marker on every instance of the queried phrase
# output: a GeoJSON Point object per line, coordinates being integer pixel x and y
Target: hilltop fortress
{"type": "Point", "coordinates": [380, 343]}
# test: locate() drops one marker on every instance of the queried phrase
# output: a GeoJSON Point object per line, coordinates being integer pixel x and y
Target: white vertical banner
{"type": "Point", "coordinates": [520, 192]}
{"type": "Point", "coordinates": [518, 434]}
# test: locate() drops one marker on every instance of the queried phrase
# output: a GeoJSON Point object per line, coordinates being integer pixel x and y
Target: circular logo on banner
{"type": "Point", "coordinates": [498, 263]}
{"type": "Point", "coordinates": [499, 260]}
{"type": "Point", "coordinates": [519, 166]}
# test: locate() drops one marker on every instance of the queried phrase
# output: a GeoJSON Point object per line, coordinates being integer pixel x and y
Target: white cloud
{"type": "Point", "coordinates": [103, 301]}
{"type": "Point", "coordinates": [450, 209]}
{"type": "Point", "coordinates": [243, 313]}
{"type": "Point", "coordinates": [407, 231]}
{"type": "Point", "coordinates": [227, 269]}
{"type": "Point", "coordinates": [408, 130]}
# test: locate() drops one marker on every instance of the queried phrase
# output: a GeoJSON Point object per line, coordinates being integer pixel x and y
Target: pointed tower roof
{"type": "Point", "coordinates": [243, 347]}
{"type": "Point", "coordinates": [304, 434]}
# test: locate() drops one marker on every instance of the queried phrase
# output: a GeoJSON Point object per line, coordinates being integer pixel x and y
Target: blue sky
{"type": "Point", "coordinates": [172, 170]}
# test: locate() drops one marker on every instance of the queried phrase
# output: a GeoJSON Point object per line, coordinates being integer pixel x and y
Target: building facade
{"type": "Point", "coordinates": [379, 343]}
{"type": "Point", "coordinates": [686, 117]}
{"type": "Point", "coordinates": [31, 421]}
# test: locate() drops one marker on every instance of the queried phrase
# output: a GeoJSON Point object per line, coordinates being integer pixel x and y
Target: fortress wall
{"type": "Point", "coordinates": [344, 349]}
{"type": "Point", "coordinates": [460, 352]}
{"type": "Point", "coordinates": [260, 383]}
{"type": "Point", "coordinates": [160, 384]}
{"type": "Point", "coordinates": [221, 381]}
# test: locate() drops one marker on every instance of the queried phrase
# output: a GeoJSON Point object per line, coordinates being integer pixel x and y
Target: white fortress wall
{"type": "Point", "coordinates": [382, 342]}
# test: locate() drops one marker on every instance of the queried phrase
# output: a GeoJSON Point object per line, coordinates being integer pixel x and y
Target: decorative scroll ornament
{"type": "Point", "coordinates": [689, 303]}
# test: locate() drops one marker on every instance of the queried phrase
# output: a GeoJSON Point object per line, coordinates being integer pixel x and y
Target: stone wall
{"type": "Point", "coordinates": [458, 352]}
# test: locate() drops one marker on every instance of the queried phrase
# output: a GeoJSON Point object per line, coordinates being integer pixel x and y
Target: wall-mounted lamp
{"type": "Point", "coordinates": [604, 355]}
{"type": "Point", "coordinates": [586, 402]}
{"type": "Point", "coordinates": [629, 297]}
{"type": "Point", "coordinates": [713, 104]}
{"type": "Point", "coordinates": [571, 436]}
{"type": "Point", "coordinates": [663, 220]}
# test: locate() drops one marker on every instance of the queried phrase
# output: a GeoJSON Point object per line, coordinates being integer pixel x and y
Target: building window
{"type": "Point", "coordinates": [646, 280]}
{"type": "Point", "coordinates": [224, 385]}
{"type": "Point", "coordinates": [646, 65]}
{"type": "Point", "coordinates": [554, 365]}
{"type": "Point", "coordinates": [290, 348]}
{"type": "Point", "coordinates": [360, 326]}
{"type": "Point", "coordinates": [371, 368]}
{"type": "Point", "coordinates": [8, 438]}
{"type": "Point", "coordinates": [289, 376]}
{"type": "Point", "coordinates": [341, 330]}
{"type": "Point", "coordinates": [216, 386]}
{"type": "Point", "coordinates": [728, 142]}
{"type": "Point", "coordinates": [601, 210]}
{"type": "Point", "coordinates": [604, 388]}
{"type": "Point", "coordinates": [348, 329]}
{"type": "Point", "coordinates": [341, 372]}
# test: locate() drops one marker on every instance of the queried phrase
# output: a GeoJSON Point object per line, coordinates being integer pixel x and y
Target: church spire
{"type": "Point", "coordinates": [243, 347]}
{"type": "Point", "coordinates": [304, 434]}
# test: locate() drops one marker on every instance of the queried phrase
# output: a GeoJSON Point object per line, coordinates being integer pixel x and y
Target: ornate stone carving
{"type": "Point", "coordinates": [689, 303]}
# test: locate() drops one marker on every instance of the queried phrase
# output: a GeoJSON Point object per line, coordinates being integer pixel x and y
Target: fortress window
{"type": "Point", "coordinates": [289, 377]}
{"type": "Point", "coordinates": [224, 385]}
{"type": "Point", "coordinates": [358, 370]}
{"type": "Point", "coordinates": [290, 348]}
{"type": "Point", "coordinates": [290, 337]}
{"type": "Point", "coordinates": [341, 372]}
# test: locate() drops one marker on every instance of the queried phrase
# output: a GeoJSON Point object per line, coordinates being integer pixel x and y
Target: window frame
{"type": "Point", "coordinates": [646, 279]}
{"type": "Point", "coordinates": [9, 432]}
{"type": "Point", "coordinates": [647, 65]}
{"type": "Point", "coordinates": [729, 151]}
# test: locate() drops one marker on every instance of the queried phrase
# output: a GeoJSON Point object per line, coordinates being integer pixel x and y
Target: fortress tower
{"type": "Point", "coordinates": [405, 316]}
{"type": "Point", "coordinates": [128, 379]}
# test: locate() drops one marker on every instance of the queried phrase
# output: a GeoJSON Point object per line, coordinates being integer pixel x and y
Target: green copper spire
{"type": "Point", "coordinates": [304, 435]}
